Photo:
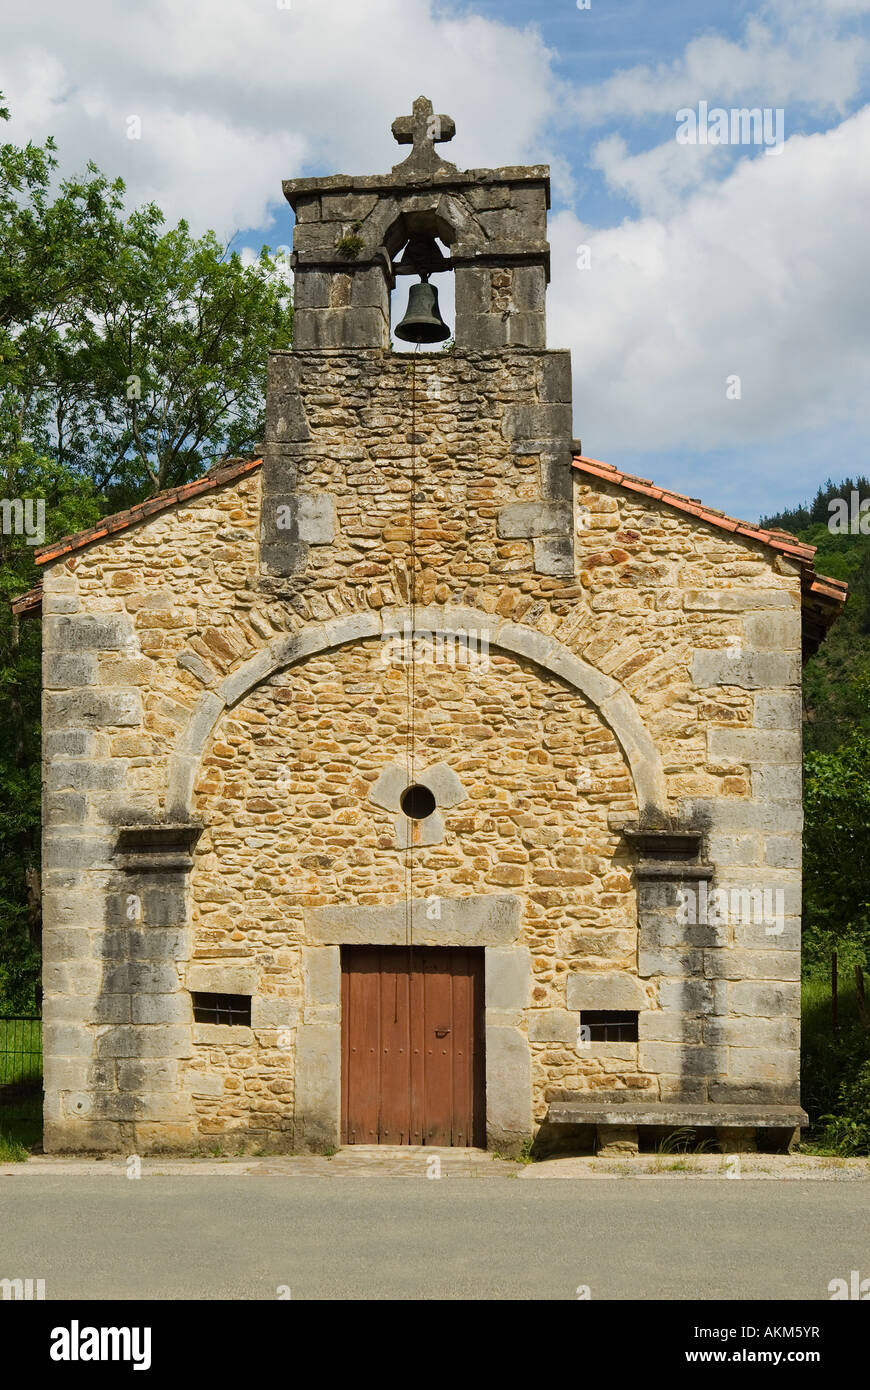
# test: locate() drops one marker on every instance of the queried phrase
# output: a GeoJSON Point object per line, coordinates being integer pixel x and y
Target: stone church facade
{"type": "Point", "coordinates": [591, 684]}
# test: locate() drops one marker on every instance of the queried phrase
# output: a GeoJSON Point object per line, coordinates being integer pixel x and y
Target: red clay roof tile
{"type": "Point", "coordinates": [120, 521]}
{"type": "Point", "coordinates": [823, 597]}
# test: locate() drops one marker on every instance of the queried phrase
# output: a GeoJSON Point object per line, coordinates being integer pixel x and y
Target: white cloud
{"type": "Point", "coordinates": [756, 267]}
{"type": "Point", "coordinates": [793, 52]}
{"type": "Point", "coordinates": [763, 276]}
{"type": "Point", "coordinates": [233, 98]}
{"type": "Point", "coordinates": [658, 180]}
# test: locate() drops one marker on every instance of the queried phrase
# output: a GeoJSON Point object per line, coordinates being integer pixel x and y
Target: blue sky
{"type": "Point", "coordinates": [706, 264]}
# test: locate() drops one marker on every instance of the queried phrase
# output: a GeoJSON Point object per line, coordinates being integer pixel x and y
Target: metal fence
{"type": "Point", "coordinates": [20, 1059]}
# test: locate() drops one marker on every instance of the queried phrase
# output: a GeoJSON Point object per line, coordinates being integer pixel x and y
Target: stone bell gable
{"type": "Point", "coordinates": [494, 416]}
{"type": "Point", "coordinates": [350, 232]}
{"type": "Point", "coordinates": [590, 685]}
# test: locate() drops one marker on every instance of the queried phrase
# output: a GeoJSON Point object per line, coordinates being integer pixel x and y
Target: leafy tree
{"type": "Point", "coordinates": [131, 356]}
{"type": "Point", "coordinates": [837, 846]}
{"type": "Point", "coordinates": [129, 353]}
{"type": "Point", "coordinates": [835, 1064]}
{"type": "Point", "coordinates": [837, 678]}
{"type": "Point", "coordinates": [56, 242]}
{"type": "Point", "coordinates": [817, 512]}
{"type": "Point", "coordinates": [55, 245]}
{"type": "Point", "coordinates": [168, 370]}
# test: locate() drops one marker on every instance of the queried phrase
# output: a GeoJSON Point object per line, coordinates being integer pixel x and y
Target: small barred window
{"type": "Point", "coordinates": [608, 1026]}
{"type": "Point", "coordinates": [228, 1009]}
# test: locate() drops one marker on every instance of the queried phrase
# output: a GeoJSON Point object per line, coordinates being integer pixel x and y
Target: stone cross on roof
{"type": "Point", "coordinates": [424, 130]}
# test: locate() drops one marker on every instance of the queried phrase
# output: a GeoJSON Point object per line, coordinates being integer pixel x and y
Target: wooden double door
{"type": "Point", "coordinates": [412, 1063]}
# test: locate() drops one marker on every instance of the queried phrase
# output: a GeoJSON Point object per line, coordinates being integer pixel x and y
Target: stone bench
{"type": "Point", "coordinates": [617, 1122]}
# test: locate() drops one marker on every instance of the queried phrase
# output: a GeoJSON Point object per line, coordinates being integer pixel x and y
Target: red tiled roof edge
{"type": "Point", "coordinates": [819, 585]}
{"type": "Point", "coordinates": [110, 525]}
{"type": "Point", "coordinates": [29, 602]}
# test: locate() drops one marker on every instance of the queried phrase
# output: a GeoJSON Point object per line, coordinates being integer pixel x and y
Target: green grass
{"type": "Point", "coordinates": [21, 1119]}
{"type": "Point", "coordinates": [835, 1065]}
{"type": "Point", "coordinates": [683, 1141]}
{"type": "Point", "coordinates": [11, 1149]}
{"type": "Point", "coordinates": [19, 1037]}
{"type": "Point", "coordinates": [20, 1088]}
{"type": "Point", "coordinates": [816, 1005]}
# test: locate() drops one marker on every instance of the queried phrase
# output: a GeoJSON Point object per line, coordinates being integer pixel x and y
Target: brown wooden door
{"type": "Point", "coordinates": [412, 1062]}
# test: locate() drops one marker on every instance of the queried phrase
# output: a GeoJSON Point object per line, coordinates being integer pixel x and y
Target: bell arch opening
{"type": "Point", "coordinates": [423, 302]}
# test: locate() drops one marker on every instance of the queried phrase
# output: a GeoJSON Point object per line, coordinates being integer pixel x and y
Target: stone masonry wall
{"type": "Point", "coordinates": [285, 792]}
{"type": "Point", "coordinates": [485, 437]}
{"type": "Point", "coordinates": [716, 642]}
{"type": "Point", "coordinates": [145, 634]}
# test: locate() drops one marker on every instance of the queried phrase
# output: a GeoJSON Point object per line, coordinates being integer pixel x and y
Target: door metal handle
{"type": "Point", "coordinates": [441, 1032]}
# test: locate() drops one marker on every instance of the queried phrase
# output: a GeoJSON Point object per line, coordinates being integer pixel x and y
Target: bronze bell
{"type": "Point", "coordinates": [422, 322]}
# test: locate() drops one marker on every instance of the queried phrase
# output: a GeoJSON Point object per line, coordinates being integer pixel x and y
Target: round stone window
{"type": "Point", "coordinates": [417, 802]}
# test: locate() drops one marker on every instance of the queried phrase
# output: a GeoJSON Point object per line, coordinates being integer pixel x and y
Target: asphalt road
{"type": "Point", "coordinates": [383, 1238]}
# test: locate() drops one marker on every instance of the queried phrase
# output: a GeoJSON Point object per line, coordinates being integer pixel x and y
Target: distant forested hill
{"type": "Point", "coordinates": [835, 1065]}
{"type": "Point", "coordinates": [837, 679]}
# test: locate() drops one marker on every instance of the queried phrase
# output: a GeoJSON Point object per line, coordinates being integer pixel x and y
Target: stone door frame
{"type": "Point", "coordinates": [492, 921]}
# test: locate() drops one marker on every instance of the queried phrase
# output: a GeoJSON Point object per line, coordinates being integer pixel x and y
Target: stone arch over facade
{"type": "Point", "coordinates": [607, 696]}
